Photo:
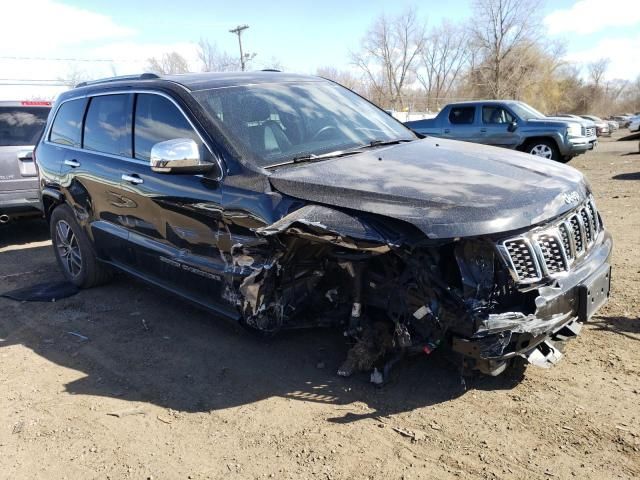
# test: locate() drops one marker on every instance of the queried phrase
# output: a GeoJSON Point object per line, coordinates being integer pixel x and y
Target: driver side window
{"type": "Point", "coordinates": [492, 114]}
{"type": "Point", "coordinates": [157, 119]}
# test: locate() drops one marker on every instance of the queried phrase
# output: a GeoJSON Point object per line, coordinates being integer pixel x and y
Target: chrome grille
{"type": "Point", "coordinates": [552, 253]}
{"type": "Point", "coordinates": [576, 231]}
{"type": "Point", "coordinates": [552, 249]}
{"type": "Point", "coordinates": [593, 217]}
{"type": "Point", "coordinates": [591, 131]}
{"type": "Point", "coordinates": [588, 227]}
{"type": "Point", "coordinates": [523, 259]}
{"type": "Point", "coordinates": [566, 242]}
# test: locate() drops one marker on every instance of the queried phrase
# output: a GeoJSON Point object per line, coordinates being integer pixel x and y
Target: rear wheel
{"type": "Point", "coordinates": [543, 148]}
{"type": "Point", "coordinates": [74, 252]}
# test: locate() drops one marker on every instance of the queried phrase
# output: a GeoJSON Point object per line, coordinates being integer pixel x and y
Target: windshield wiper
{"type": "Point", "coordinates": [312, 157]}
{"type": "Point", "coordinates": [382, 143]}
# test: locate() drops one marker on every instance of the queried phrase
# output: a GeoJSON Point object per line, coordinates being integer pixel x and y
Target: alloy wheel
{"type": "Point", "coordinates": [68, 248]}
{"type": "Point", "coordinates": [542, 150]}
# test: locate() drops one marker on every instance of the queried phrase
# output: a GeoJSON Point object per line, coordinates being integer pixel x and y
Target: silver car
{"type": "Point", "coordinates": [21, 124]}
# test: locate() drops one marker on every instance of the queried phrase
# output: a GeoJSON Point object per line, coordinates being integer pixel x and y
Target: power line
{"type": "Point", "coordinates": [40, 83]}
{"type": "Point", "coordinates": [30, 80]}
{"type": "Point", "coordinates": [61, 59]}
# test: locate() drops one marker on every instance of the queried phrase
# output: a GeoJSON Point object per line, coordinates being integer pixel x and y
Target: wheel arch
{"type": "Point", "coordinates": [531, 140]}
{"type": "Point", "coordinates": [51, 198]}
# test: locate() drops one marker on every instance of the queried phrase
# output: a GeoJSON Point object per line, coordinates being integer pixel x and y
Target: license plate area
{"type": "Point", "coordinates": [594, 293]}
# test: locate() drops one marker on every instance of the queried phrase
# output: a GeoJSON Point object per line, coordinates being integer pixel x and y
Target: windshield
{"type": "Point", "coordinates": [276, 123]}
{"type": "Point", "coordinates": [526, 112]}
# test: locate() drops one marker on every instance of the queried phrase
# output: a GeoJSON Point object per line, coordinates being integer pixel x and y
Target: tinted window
{"type": "Point", "coordinates": [106, 128]}
{"type": "Point", "coordinates": [494, 114]}
{"type": "Point", "coordinates": [157, 120]}
{"type": "Point", "coordinates": [67, 124]}
{"type": "Point", "coordinates": [462, 115]}
{"type": "Point", "coordinates": [21, 126]}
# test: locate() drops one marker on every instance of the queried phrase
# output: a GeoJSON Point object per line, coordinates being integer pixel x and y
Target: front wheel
{"type": "Point", "coordinates": [74, 253]}
{"type": "Point", "coordinates": [543, 148]}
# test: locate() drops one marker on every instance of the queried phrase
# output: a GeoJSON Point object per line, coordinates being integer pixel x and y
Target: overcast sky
{"type": "Point", "coordinates": [39, 38]}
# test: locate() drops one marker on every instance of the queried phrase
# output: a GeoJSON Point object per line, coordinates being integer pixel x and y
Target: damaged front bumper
{"type": "Point", "coordinates": [561, 309]}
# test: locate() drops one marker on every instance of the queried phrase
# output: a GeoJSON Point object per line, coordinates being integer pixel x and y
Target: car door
{"type": "Point", "coordinates": [174, 221]}
{"type": "Point", "coordinates": [459, 124]}
{"type": "Point", "coordinates": [496, 127]}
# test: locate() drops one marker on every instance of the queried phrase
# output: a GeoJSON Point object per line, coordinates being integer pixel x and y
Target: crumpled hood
{"type": "Point", "coordinates": [445, 188]}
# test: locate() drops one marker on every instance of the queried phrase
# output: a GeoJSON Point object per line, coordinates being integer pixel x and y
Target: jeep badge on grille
{"type": "Point", "coordinates": [571, 197]}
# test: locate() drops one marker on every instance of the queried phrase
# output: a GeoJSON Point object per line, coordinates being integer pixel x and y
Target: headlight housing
{"type": "Point", "coordinates": [574, 130]}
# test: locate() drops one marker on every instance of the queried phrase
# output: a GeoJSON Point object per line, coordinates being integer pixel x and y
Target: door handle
{"type": "Point", "coordinates": [72, 163]}
{"type": "Point", "coordinates": [483, 130]}
{"type": "Point", "coordinates": [26, 156]}
{"type": "Point", "coordinates": [446, 130]}
{"type": "Point", "coordinates": [136, 180]}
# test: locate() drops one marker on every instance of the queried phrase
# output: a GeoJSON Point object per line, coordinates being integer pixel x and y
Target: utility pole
{"type": "Point", "coordinates": [238, 31]}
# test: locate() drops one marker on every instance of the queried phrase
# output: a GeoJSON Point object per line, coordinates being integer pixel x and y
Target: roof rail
{"type": "Point", "coordinates": [143, 76]}
{"type": "Point", "coordinates": [270, 70]}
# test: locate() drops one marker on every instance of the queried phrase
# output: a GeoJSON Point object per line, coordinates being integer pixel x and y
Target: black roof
{"type": "Point", "coordinates": [207, 80]}
{"type": "Point", "coordinates": [203, 81]}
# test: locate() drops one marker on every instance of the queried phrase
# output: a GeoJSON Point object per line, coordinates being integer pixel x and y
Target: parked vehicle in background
{"type": "Point", "coordinates": [588, 126]}
{"type": "Point", "coordinates": [602, 127]}
{"type": "Point", "coordinates": [613, 125]}
{"type": "Point", "coordinates": [634, 124]}
{"type": "Point", "coordinates": [623, 120]}
{"type": "Point", "coordinates": [21, 124]}
{"type": "Point", "coordinates": [286, 201]}
{"type": "Point", "coordinates": [509, 124]}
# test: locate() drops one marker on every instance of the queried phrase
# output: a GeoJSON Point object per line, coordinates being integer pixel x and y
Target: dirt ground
{"type": "Point", "coordinates": [159, 389]}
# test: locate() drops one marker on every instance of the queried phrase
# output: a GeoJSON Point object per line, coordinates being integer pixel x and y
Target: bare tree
{"type": "Point", "coordinates": [597, 70]}
{"type": "Point", "coordinates": [502, 30]}
{"type": "Point", "coordinates": [167, 64]}
{"type": "Point", "coordinates": [74, 76]}
{"type": "Point", "coordinates": [443, 58]}
{"type": "Point", "coordinates": [272, 63]}
{"type": "Point", "coordinates": [213, 60]}
{"type": "Point", "coordinates": [389, 53]}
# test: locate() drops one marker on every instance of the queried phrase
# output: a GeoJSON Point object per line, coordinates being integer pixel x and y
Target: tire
{"type": "Point", "coordinates": [543, 148]}
{"type": "Point", "coordinates": [74, 252]}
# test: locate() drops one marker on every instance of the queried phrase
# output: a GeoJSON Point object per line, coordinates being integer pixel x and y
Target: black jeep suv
{"type": "Point", "coordinates": [286, 201]}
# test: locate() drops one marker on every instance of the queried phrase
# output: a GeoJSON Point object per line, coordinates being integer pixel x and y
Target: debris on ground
{"type": "Point", "coordinates": [127, 413]}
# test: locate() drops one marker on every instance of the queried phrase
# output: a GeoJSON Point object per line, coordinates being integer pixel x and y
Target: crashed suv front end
{"type": "Point", "coordinates": [487, 299]}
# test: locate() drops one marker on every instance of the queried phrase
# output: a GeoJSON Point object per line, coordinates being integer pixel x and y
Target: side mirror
{"type": "Point", "coordinates": [180, 155]}
{"type": "Point", "coordinates": [512, 126]}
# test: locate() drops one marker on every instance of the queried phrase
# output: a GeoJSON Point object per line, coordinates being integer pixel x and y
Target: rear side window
{"type": "Point", "coordinates": [157, 119]}
{"type": "Point", "coordinates": [462, 115]}
{"type": "Point", "coordinates": [107, 128]}
{"type": "Point", "coordinates": [67, 125]}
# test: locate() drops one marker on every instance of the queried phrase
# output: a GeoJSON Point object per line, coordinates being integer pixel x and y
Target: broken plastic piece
{"type": "Point", "coordinates": [544, 355]}
{"type": "Point", "coordinates": [376, 377]}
